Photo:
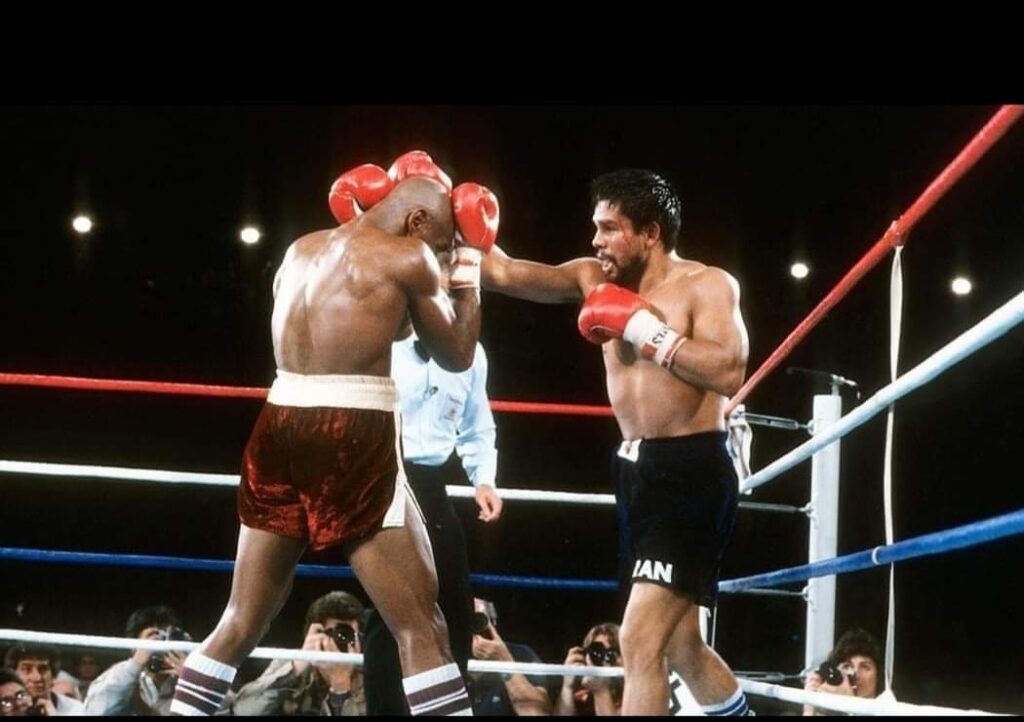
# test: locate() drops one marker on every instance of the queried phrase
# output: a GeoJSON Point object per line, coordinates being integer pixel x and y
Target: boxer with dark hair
{"type": "Point", "coordinates": [675, 348]}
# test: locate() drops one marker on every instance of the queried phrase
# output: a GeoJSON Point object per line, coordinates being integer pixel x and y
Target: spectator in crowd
{"type": "Point", "coordinates": [587, 696]}
{"type": "Point", "coordinates": [292, 687]}
{"type": "Point", "coordinates": [37, 665]}
{"type": "Point", "coordinates": [14, 697]}
{"type": "Point", "coordinates": [144, 683]}
{"type": "Point", "coordinates": [504, 694]}
{"type": "Point", "coordinates": [86, 669]}
{"type": "Point", "coordinates": [854, 667]}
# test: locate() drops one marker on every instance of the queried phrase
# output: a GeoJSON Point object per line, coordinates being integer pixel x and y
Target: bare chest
{"type": "Point", "coordinates": [621, 358]}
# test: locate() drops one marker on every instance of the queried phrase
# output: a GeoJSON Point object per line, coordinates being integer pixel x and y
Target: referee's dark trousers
{"type": "Point", "coordinates": [382, 669]}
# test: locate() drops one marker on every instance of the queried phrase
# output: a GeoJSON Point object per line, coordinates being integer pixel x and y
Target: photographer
{"type": "Point", "coordinates": [37, 665]}
{"type": "Point", "coordinates": [853, 667]}
{"type": "Point", "coordinates": [287, 687]}
{"type": "Point", "coordinates": [587, 696]}
{"type": "Point", "coordinates": [504, 694]}
{"type": "Point", "coordinates": [144, 683]}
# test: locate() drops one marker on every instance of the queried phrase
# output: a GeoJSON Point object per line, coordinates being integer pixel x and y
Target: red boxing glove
{"type": "Point", "coordinates": [606, 311]}
{"type": "Point", "coordinates": [476, 215]}
{"type": "Point", "coordinates": [612, 311]}
{"type": "Point", "coordinates": [357, 190]}
{"type": "Point", "coordinates": [475, 209]}
{"type": "Point", "coordinates": [418, 163]}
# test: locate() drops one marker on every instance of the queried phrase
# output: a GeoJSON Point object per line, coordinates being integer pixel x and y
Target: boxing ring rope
{"type": "Point", "coordinates": [960, 537]}
{"type": "Point", "coordinates": [841, 703]}
{"type": "Point", "coordinates": [206, 479]}
{"type": "Point", "coordinates": [938, 542]}
{"type": "Point", "coordinates": [996, 324]}
{"type": "Point", "coordinates": [895, 235]}
{"type": "Point", "coordinates": [253, 392]}
{"type": "Point", "coordinates": [989, 329]}
{"type": "Point", "coordinates": [831, 426]}
{"type": "Point", "coordinates": [992, 327]}
{"type": "Point", "coordinates": [302, 570]}
{"type": "Point", "coordinates": [852, 705]}
{"type": "Point", "coordinates": [163, 476]}
{"type": "Point", "coordinates": [824, 476]}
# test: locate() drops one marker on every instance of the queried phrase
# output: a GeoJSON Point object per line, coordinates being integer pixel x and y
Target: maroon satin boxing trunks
{"type": "Point", "coordinates": [322, 464]}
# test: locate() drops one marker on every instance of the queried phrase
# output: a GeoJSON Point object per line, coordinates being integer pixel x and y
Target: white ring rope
{"type": "Point", "coordinates": [851, 705]}
{"type": "Point", "coordinates": [996, 324]}
{"type": "Point", "coordinates": [188, 477]}
{"type": "Point", "coordinates": [993, 326]}
{"type": "Point", "coordinates": [165, 476]}
{"type": "Point", "coordinates": [837, 702]}
{"type": "Point", "coordinates": [475, 665]}
{"type": "Point", "coordinates": [118, 472]}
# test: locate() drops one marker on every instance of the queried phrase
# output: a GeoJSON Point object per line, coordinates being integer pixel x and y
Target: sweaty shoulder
{"type": "Point", "coordinates": [712, 282]}
{"type": "Point", "coordinates": [692, 277]}
{"type": "Point", "coordinates": [300, 250]}
{"type": "Point", "coordinates": [308, 244]}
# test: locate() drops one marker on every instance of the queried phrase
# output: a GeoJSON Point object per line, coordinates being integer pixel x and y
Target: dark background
{"type": "Point", "coordinates": [162, 289]}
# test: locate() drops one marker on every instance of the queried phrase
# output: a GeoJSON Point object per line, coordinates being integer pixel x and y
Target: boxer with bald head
{"type": "Point", "coordinates": [675, 348]}
{"type": "Point", "coordinates": [322, 466]}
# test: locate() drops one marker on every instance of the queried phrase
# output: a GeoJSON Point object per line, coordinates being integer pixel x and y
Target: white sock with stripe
{"type": "Point", "coordinates": [735, 706]}
{"type": "Point", "coordinates": [438, 691]}
{"type": "Point", "coordinates": [202, 686]}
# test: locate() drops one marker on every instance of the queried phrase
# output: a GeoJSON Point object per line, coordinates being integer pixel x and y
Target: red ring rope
{"type": "Point", "coordinates": [895, 235]}
{"type": "Point", "coordinates": [252, 392]}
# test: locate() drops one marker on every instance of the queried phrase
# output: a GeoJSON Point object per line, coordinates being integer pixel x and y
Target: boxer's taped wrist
{"type": "Point", "coordinates": [465, 271]}
{"type": "Point", "coordinates": [653, 338]}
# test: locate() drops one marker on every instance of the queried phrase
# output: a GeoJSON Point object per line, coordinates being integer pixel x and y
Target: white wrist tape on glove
{"type": "Point", "coordinates": [654, 339]}
{"type": "Point", "coordinates": [466, 268]}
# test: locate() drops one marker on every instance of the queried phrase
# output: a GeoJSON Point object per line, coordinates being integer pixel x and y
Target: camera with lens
{"type": "Point", "coordinates": [834, 674]}
{"type": "Point", "coordinates": [35, 710]}
{"type": "Point", "coordinates": [344, 636]}
{"type": "Point", "coordinates": [157, 661]}
{"type": "Point", "coordinates": [481, 625]}
{"type": "Point", "coordinates": [482, 621]}
{"type": "Point", "coordinates": [602, 656]}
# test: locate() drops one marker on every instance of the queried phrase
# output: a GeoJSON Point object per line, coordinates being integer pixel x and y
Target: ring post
{"type": "Point", "coordinates": [824, 518]}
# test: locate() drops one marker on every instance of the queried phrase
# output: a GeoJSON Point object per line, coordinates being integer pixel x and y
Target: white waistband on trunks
{"type": "Point", "coordinates": [629, 449]}
{"type": "Point", "coordinates": [375, 393]}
